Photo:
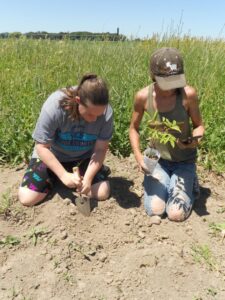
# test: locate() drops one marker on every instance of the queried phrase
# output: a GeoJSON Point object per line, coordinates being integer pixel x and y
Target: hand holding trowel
{"type": "Point", "coordinates": [82, 201]}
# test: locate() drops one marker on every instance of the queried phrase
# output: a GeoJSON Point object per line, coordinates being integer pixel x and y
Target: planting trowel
{"type": "Point", "coordinates": [82, 201]}
{"type": "Point", "coordinates": [83, 205]}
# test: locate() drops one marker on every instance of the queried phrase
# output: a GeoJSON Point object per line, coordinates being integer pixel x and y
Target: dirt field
{"type": "Point", "coordinates": [117, 253]}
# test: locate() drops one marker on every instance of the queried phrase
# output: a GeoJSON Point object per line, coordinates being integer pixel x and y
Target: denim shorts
{"type": "Point", "coordinates": [41, 179]}
{"type": "Point", "coordinates": [174, 183]}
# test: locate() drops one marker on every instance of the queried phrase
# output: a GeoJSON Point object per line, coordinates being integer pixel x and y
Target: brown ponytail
{"type": "Point", "coordinates": [68, 102]}
{"type": "Point", "coordinates": [90, 89]}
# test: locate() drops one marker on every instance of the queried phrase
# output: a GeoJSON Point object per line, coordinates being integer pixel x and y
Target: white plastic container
{"type": "Point", "coordinates": [151, 158]}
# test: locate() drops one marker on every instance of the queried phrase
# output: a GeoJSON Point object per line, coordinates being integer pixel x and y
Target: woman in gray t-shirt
{"type": "Point", "coordinates": [74, 129]}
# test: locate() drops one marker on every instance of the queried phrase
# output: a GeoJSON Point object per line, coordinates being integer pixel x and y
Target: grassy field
{"type": "Point", "coordinates": [31, 69]}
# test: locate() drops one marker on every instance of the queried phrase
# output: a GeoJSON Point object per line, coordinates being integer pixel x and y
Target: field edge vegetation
{"type": "Point", "coordinates": [32, 69]}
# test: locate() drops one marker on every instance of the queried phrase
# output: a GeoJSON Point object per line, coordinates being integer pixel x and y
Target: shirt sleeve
{"type": "Point", "coordinates": [106, 131]}
{"type": "Point", "coordinates": [48, 121]}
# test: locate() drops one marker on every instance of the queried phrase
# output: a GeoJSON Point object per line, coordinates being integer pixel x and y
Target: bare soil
{"type": "Point", "coordinates": [117, 252]}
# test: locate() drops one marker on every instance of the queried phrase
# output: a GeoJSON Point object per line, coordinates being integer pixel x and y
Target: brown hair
{"type": "Point", "coordinates": [90, 89]}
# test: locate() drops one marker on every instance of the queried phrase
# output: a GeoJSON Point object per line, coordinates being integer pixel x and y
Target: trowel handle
{"type": "Point", "coordinates": [76, 170]}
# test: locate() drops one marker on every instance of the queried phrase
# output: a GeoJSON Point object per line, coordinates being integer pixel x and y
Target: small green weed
{"type": "Point", "coordinates": [56, 264]}
{"type": "Point", "coordinates": [36, 233]}
{"type": "Point", "coordinates": [5, 201]}
{"type": "Point", "coordinates": [203, 255]}
{"type": "Point", "coordinates": [221, 210]}
{"type": "Point", "coordinates": [217, 227]}
{"type": "Point", "coordinates": [9, 240]}
{"type": "Point", "coordinates": [78, 248]}
{"type": "Point", "coordinates": [68, 277]}
{"type": "Point", "coordinates": [212, 292]}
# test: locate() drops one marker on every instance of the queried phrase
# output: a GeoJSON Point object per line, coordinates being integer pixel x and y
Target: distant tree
{"type": "Point", "coordinates": [78, 35]}
{"type": "Point", "coordinates": [15, 34]}
{"type": "Point", "coordinates": [4, 35]}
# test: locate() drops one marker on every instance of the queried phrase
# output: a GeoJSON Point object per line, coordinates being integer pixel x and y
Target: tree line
{"type": "Point", "coordinates": [79, 35]}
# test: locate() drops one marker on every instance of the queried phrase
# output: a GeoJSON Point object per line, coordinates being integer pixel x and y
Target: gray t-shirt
{"type": "Point", "coordinates": [70, 140]}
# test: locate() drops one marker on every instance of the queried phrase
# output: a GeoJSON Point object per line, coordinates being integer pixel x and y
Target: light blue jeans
{"type": "Point", "coordinates": [171, 189]}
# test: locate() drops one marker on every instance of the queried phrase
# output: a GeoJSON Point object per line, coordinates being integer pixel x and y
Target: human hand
{"type": "Point", "coordinates": [189, 143]}
{"type": "Point", "coordinates": [71, 180]}
{"type": "Point", "coordinates": [85, 187]}
{"type": "Point", "coordinates": [142, 167]}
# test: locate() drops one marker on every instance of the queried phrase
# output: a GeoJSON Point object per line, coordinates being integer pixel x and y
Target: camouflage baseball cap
{"type": "Point", "coordinates": [166, 64]}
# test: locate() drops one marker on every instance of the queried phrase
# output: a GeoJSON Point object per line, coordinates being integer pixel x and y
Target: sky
{"type": "Point", "coordinates": [134, 18]}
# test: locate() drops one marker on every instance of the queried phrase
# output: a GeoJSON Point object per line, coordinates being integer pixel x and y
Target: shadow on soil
{"type": "Point", "coordinates": [120, 191]}
{"type": "Point", "coordinates": [200, 204]}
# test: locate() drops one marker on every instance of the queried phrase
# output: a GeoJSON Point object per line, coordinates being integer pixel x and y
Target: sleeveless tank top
{"type": "Point", "coordinates": [179, 114]}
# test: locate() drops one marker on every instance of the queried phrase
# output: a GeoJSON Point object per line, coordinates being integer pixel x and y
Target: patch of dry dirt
{"type": "Point", "coordinates": [116, 253]}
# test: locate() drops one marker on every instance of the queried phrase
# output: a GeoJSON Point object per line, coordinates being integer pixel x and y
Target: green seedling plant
{"type": "Point", "coordinates": [68, 278]}
{"type": "Point", "coordinates": [221, 210]}
{"type": "Point", "coordinates": [78, 248]}
{"type": "Point", "coordinates": [56, 264]}
{"type": "Point", "coordinates": [218, 228]}
{"type": "Point", "coordinates": [36, 233]}
{"type": "Point", "coordinates": [212, 292]}
{"type": "Point", "coordinates": [9, 240]}
{"type": "Point", "coordinates": [5, 202]}
{"type": "Point", "coordinates": [163, 131]}
{"type": "Point", "coordinates": [202, 254]}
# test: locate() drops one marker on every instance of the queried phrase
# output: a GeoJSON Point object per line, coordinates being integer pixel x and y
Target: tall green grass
{"type": "Point", "coordinates": [32, 69]}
